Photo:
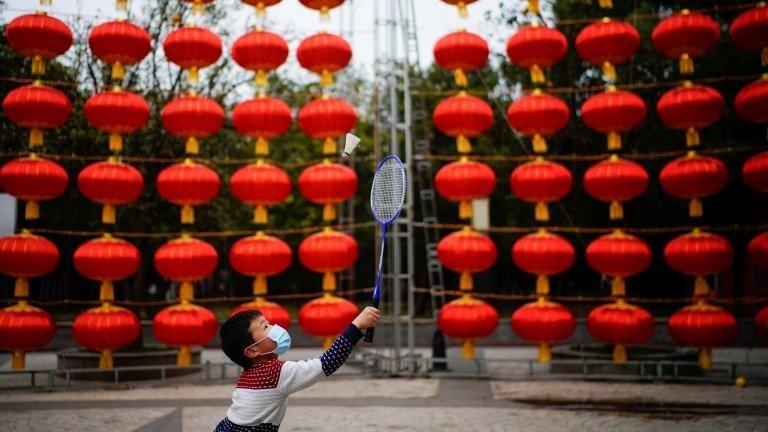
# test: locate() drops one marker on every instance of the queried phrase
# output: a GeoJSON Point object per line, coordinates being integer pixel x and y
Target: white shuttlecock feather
{"type": "Point", "coordinates": [350, 144]}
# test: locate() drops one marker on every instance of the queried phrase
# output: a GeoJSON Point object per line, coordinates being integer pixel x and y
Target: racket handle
{"type": "Point", "coordinates": [368, 338]}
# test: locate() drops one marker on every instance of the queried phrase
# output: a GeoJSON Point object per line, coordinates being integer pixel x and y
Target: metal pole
{"type": "Point", "coordinates": [394, 145]}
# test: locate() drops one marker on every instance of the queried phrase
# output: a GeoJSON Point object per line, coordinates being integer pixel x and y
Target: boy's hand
{"type": "Point", "coordinates": [369, 317]}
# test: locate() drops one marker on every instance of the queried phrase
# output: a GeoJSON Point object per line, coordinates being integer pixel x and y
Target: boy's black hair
{"type": "Point", "coordinates": [235, 336]}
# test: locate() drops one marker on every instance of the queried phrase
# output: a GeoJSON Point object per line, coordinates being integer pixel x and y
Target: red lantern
{"type": "Point", "coordinates": [749, 31]}
{"type": "Point", "coordinates": [536, 48]}
{"type": "Point", "coordinates": [543, 254]}
{"type": "Point", "coordinates": [758, 251]}
{"type": "Point", "coordinates": [192, 117]}
{"type": "Point", "coordinates": [273, 312]}
{"type": "Point", "coordinates": [110, 184]}
{"type": "Point", "coordinates": [116, 112]}
{"type": "Point", "coordinates": [183, 326]}
{"type": "Point", "coordinates": [107, 259]}
{"type": "Point", "coordinates": [704, 326]}
{"type": "Point", "coordinates": [39, 37]}
{"type": "Point", "coordinates": [260, 256]}
{"type": "Point", "coordinates": [323, 6]}
{"type": "Point", "coordinates": [261, 52]}
{"type": "Point", "coordinates": [461, 5]}
{"type": "Point", "coordinates": [618, 255]}
{"type": "Point", "coordinates": [119, 43]}
{"type": "Point", "coordinates": [607, 43]}
{"type": "Point", "coordinates": [327, 317]}
{"type": "Point", "coordinates": [324, 54]}
{"type": "Point", "coordinates": [538, 115]}
{"type": "Point", "coordinates": [752, 101]}
{"type": "Point", "coordinates": [188, 184]}
{"type": "Point", "coordinates": [461, 52]}
{"type": "Point", "coordinates": [37, 107]}
{"type": "Point", "coordinates": [693, 177]}
{"type": "Point", "coordinates": [467, 318]}
{"type": "Point", "coordinates": [690, 107]}
{"type": "Point", "coordinates": [192, 48]}
{"type": "Point", "coordinates": [684, 36]}
{"type": "Point", "coordinates": [263, 118]}
{"type": "Point", "coordinates": [755, 172]}
{"type": "Point", "coordinates": [698, 254]}
{"type": "Point", "coordinates": [23, 328]}
{"type": "Point", "coordinates": [463, 117]}
{"type": "Point", "coordinates": [260, 185]}
{"type": "Point", "coordinates": [186, 260]}
{"type": "Point", "coordinates": [620, 324]}
{"type": "Point", "coordinates": [106, 328]}
{"type": "Point", "coordinates": [761, 324]}
{"type": "Point", "coordinates": [328, 252]}
{"type": "Point", "coordinates": [327, 119]}
{"type": "Point", "coordinates": [543, 322]}
{"type": "Point", "coordinates": [26, 255]}
{"type": "Point", "coordinates": [33, 179]}
{"type": "Point", "coordinates": [464, 181]}
{"type": "Point", "coordinates": [613, 112]}
{"type": "Point", "coordinates": [466, 252]}
{"type": "Point", "coordinates": [615, 180]}
{"type": "Point", "coordinates": [541, 181]}
{"type": "Point", "coordinates": [261, 5]}
{"type": "Point", "coordinates": [327, 184]}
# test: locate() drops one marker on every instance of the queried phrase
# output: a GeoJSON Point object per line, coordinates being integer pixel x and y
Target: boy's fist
{"type": "Point", "coordinates": [369, 317]}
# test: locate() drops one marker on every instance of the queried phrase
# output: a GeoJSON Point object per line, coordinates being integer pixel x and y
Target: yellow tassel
{"type": "Point", "coordinates": [542, 285]}
{"type": "Point", "coordinates": [106, 360]}
{"type": "Point", "coordinates": [326, 78]}
{"type": "Point", "coordinates": [108, 214]}
{"type": "Point", "coordinates": [609, 72]}
{"type": "Point", "coordinates": [463, 145]}
{"type": "Point", "coordinates": [465, 281]}
{"type": "Point", "coordinates": [118, 71]}
{"type": "Point", "coordinates": [198, 7]}
{"type": "Point", "coordinates": [187, 215]}
{"type": "Point", "coordinates": [533, 6]}
{"type": "Point", "coordinates": [329, 282]}
{"type": "Point", "coordinates": [619, 354]}
{"type": "Point", "coordinates": [468, 349]}
{"type": "Point", "coordinates": [260, 286]}
{"type": "Point", "coordinates": [45, 2]}
{"type": "Point", "coordinates": [35, 137]}
{"type": "Point", "coordinates": [764, 56]}
{"type": "Point", "coordinates": [618, 287]}
{"type": "Point", "coordinates": [18, 360]}
{"type": "Point", "coordinates": [539, 144]}
{"type": "Point", "coordinates": [192, 146]}
{"type": "Point", "coordinates": [122, 5]}
{"type": "Point", "coordinates": [186, 292]}
{"type": "Point", "coordinates": [261, 10]}
{"type": "Point", "coordinates": [614, 141]}
{"type": "Point", "coordinates": [616, 210]}
{"type": "Point", "coordinates": [260, 215]}
{"type": "Point", "coordinates": [38, 65]}
{"type": "Point", "coordinates": [262, 147]}
{"type": "Point", "coordinates": [465, 210]}
{"type": "Point", "coordinates": [184, 358]}
{"type": "Point", "coordinates": [606, 4]}
{"type": "Point", "coordinates": [692, 137]}
{"type": "Point", "coordinates": [329, 146]}
{"type": "Point", "coordinates": [260, 79]}
{"type": "Point", "coordinates": [686, 64]}
{"type": "Point", "coordinates": [194, 75]}
{"type": "Point", "coordinates": [21, 288]}
{"type": "Point", "coordinates": [327, 342]}
{"type": "Point", "coordinates": [115, 142]}
{"type": "Point", "coordinates": [32, 210]}
{"type": "Point", "coordinates": [463, 13]}
{"type": "Point", "coordinates": [545, 354]}
{"type": "Point", "coordinates": [705, 358]}
{"type": "Point", "coordinates": [537, 75]}
{"type": "Point", "coordinates": [695, 209]}
{"type": "Point", "coordinates": [460, 77]}
{"type": "Point", "coordinates": [700, 287]}
{"type": "Point", "coordinates": [107, 292]}
{"type": "Point", "coordinates": [541, 212]}
{"type": "Point", "coordinates": [329, 212]}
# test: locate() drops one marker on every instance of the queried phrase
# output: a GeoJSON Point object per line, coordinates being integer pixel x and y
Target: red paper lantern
{"type": "Point", "coordinates": [322, 5]}
{"type": "Point", "coordinates": [466, 252]}
{"type": "Point", "coordinates": [110, 184]}
{"type": "Point", "coordinates": [324, 54]}
{"type": "Point", "coordinates": [538, 115]}
{"type": "Point", "coordinates": [752, 101]}
{"type": "Point", "coordinates": [107, 259]}
{"type": "Point", "coordinates": [693, 177]}
{"type": "Point", "coordinates": [463, 181]}
{"type": "Point", "coordinates": [704, 326]}
{"type": "Point", "coordinates": [607, 43]}
{"type": "Point", "coordinates": [758, 251]}
{"type": "Point", "coordinates": [461, 52]}
{"type": "Point", "coordinates": [106, 328]}
{"type": "Point", "coordinates": [327, 184]}
{"type": "Point", "coordinates": [33, 179]}
{"type": "Point", "coordinates": [273, 312]}
{"type": "Point", "coordinates": [761, 324]}
{"type": "Point", "coordinates": [621, 324]}
{"type": "Point", "coordinates": [192, 48]}
{"type": "Point", "coordinates": [116, 112]}
{"type": "Point", "coordinates": [536, 48]}
{"type": "Point", "coordinates": [39, 37]}
{"type": "Point", "coordinates": [183, 326]}
{"type": "Point", "coordinates": [263, 118]}
{"type": "Point", "coordinates": [327, 317]}
{"type": "Point", "coordinates": [749, 31]}
{"type": "Point", "coordinates": [543, 254]}
{"type": "Point", "coordinates": [684, 36]}
{"type": "Point", "coordinates": [186, 260]}
{"type": "Point", "coordinates": [23, 328]}
{"type": "Point", "coordinates": [690, 107]}
{"type": "Point", "coordinates": [698, 254]}
{"type": "Point", "coordinates": [755, 172]}
{"type": "Point", "coordinates": [615, 180]}
{"type": "Point", "coordinates": [188, 184]}
{"type": "Point", "coordinates": [260, 51]}
{"type": "Point", "coordinates": [328, 252]}
{"type": "Point", "coordinates": [260, 185]}
{"type": "Point", "coordinates": [260, 256]}
{"type": "Point", "coordinates": [37, 107]}
{"type": "Point", "coordinates": [261, 5]}
{"type": "Point", "coordinates": [613, 112]}
{"type": "Point", "coordinates": [26, 255]}
{"type": "Point", "coordinates": [544, 323]}
{"type": "Point", "coordinates": [462, 117]}
{"type": "Point", "coordinates": [192, 117]}
{"type": "Point", "coordinates": [467, 318]}
{"type": "Point", "coordinates": [119, 43]}
{"type": "Point", "coordinates": [541, 181]}
{"type": "Point", "coordinates": [327, 119]}
{"type": "Point", "coordinates": [461, 5]}
{"type": "Point", "coordinates": [618, 255]}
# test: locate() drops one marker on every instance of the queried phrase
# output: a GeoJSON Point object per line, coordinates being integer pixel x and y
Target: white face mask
{"type": "Point", "coordinates": [281, 338]}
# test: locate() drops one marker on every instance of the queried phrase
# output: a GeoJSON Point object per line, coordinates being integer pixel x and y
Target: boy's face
{"type": "Point", "coordinates": [259, 329]}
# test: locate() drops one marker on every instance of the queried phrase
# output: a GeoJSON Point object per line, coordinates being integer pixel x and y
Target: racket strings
{"type": "Point", "coordinates": [388, 190]}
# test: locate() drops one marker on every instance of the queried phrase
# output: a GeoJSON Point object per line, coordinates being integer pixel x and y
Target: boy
{"type": "Point", "coordinates": [258, 402]}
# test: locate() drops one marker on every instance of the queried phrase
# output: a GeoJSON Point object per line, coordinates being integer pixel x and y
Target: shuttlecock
{"type": "Point", "coordinates": [350, 144]}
